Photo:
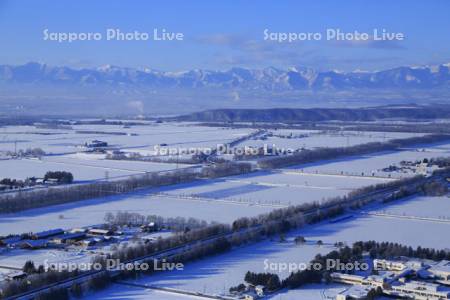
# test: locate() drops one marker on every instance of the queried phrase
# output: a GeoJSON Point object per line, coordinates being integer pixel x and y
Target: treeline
{"type": "Point", "coordinates": [60, 176]}
{"type": "Point", "coordinates": [177, 224]}
{"type": "Point", "coordinates": [8, 183]}
{"type": "Point", "coordinates": [135, 156]}
{"type": "Point", "coordinates": [435, 188]}
{"type": "Point", "coordinates": [29, 152]}
{"type": "Point", "coordinates": [441, 162]}
{"type": "Point", "coordinates": [23, 200]}
{"type": "Point", "coordinates": [308, 156]}
{"type": "Point", "coordinates": [386, 250]}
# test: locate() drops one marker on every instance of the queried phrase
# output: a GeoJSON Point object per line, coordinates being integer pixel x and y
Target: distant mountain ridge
{"type": "Point", "coordinates": [294, 115]}
{"type": "Point", "coordinates": [268, 79]}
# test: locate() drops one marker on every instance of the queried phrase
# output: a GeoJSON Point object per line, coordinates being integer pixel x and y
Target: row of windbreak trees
{"type": "Point", "coordinates": [22, 200]}
{"type": "Point", "coordinates": [176, 224]}
{"type": "Point", "coordinates": [283, 219]}
{"type": "Point", "coordinates": [308, 156]}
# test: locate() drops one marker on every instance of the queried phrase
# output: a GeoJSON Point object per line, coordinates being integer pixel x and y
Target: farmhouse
{"type": "Point", "coordinates": [96, 144]}
{"type": "Point", "coordinates": [150, 227]}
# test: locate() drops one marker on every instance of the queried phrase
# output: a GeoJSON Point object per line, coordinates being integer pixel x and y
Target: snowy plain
{"type": "Point", "coordinates": [215, 275]}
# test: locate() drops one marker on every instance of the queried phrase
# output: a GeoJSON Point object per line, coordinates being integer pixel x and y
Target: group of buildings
{"type": "Point", "coordinates": [84, 241]}
{"type": "Point", "coordinates": [58, 238]}
{"type": "Point", "coordinates": [423, 167]}
{"type": "Point", "coordinates": [403, 278]}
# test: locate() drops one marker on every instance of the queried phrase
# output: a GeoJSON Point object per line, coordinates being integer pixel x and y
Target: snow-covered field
{"type": "Point", "coordinates": [421, 207]}
{"type": "Point", "coordinates": [373, 163]}
{"type": "Point", "coordinates": [220, 200]}
{"type": "Point", "coordinates": [276, 188]}
{"type": "Point", "coordinates": [308, 292]}
{"type": "Point", "coordinates": [92, 211]}
{"type": "Point", "coordinates": [139, 137]}
{"type": "Point", "coordinates": [16, 258]}
{"type": "Point", "coordinates": [316, 139]}
{"type": "Point", "coordinates": [122, 292]}
{"type": "Point", "coordinates": [82, 166]}
{"type": "Point", "coordinates": [214, 275]}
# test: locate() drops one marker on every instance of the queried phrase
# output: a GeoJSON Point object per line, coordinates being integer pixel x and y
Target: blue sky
{"type": "Point", "coordinates": [224, 34]}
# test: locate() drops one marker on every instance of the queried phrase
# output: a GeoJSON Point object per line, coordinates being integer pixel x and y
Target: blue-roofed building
{"type": "Point", "coordinates": [46, 234]}
{"type": "Point", "coordinates": [9, 242]}
{"type": "Point", "coordinates": [33, 244]}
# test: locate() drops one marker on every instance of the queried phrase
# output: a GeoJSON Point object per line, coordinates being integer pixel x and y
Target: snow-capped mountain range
{"type": "Point", "coordinates": [272, 79]}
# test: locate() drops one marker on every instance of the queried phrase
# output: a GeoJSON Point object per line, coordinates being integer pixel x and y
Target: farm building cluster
{"type": "Point", "coordinates": [84, 242]}
{"type": "Point", "coordinates": [402, 278]}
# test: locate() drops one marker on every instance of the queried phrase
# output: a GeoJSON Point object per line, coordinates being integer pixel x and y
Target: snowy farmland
{"type": "Point", "coordinates": [432, 208]}
{"type": "Point", "coordinates": [92, 211]}
{"type": "Point", "coordinates": [16, 259]}
{"type": "Point", "coordinates": [220, 200]}
{"type": "Point", "coordinates": [64, 151]}
{"type": "Point", "coordinates": [143, 138]}
{"type": "Point", "coordinates": [63, 146]}
{"type": "Point", "coordinates": [223, 199]}
{"type": "Point", "coordinates": [280, 188]}
{"type": "Point", "coordinates": [216, 274]}
{"type": "Point", "coordinates": [139, 137]}
{"type": "Point", "coordinates": [311, 139]}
